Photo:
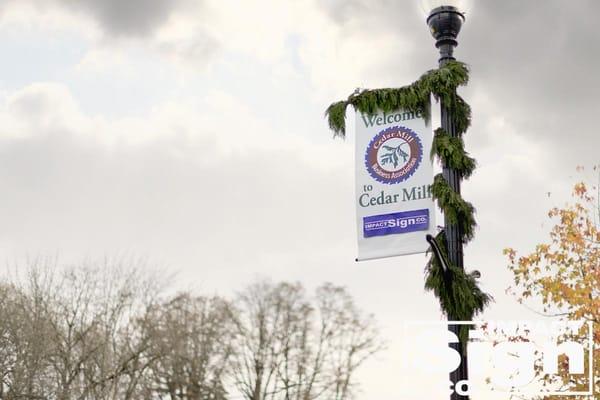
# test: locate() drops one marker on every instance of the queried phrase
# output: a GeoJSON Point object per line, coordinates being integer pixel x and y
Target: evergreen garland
{"type": "Point", "coordinates": [458, 292]}
{"type": "Point", "coordinates": [457, 210]}
{"type": "Point", "coordinates": [439, 83]}
{"type": "Point", "coordinates": [452, 150]}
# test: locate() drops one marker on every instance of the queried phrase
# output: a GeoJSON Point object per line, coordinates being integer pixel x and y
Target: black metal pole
{"type": "Point", "coordinates": [455, 256]}
{"type": "Point", "coordinates": [445, 24]}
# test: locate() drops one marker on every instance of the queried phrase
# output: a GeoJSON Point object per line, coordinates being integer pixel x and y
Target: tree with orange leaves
{"type": "Point", "coordinates": [564, 273]}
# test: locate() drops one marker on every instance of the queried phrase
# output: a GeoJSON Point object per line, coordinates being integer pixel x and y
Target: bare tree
{"type": "Point", "coordinates": [120, 341]}
{"type": "Point", "coordinates": [100, 331]}
{"type": "Point", "coordinates": [348, 338]}
{"type": "Point", "coordinates": [289, 347]}
{"type": "Point", "coordinates": [190, 343]}
{"type": "Point", "coordinates": [26, 367]}
{"type": "Point", "coordinates": [66, 330]}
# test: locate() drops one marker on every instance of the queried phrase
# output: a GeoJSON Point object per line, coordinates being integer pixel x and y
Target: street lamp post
{"type": "Point", "coordinates": [445, 19]}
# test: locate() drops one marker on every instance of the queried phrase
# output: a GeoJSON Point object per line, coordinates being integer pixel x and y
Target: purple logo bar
{"type": "Point", "coordinates": [401, 222]}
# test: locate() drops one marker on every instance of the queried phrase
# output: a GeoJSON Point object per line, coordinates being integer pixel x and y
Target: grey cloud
{"type": "Point", "coordinates": [195, 51]}
{"type": "Point", "coordinates": [137, 19]}
{"type": "Point", "coordinates": [342, 11]}
{"type": "Point", "coordinates": [542, 54]}
{"type": "Point", "coordinates": [398, 19]}
{"type": "Point", "coordinates": [538, 65]}
{"type": "Point", "coordinates": [546, 49]}
{"type": "Point", "coordinates": [129, 17]}
{"type": "Point", "coordinates": [117, 17]}
{"type": "Point", "coordinates": [535, 62]}
{"type": "Point", "coordinates": [31, 103]}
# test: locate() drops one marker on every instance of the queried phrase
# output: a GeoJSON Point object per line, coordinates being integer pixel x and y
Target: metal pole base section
{"type": "Point", "coordinates": [462, 372]}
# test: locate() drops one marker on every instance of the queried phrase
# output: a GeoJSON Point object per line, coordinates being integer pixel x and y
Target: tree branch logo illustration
{"type": "Point", "coordinates": [393, 155]}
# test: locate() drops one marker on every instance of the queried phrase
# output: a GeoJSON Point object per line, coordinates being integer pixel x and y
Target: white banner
{"type": "Point", "coordinates": [394, 173]}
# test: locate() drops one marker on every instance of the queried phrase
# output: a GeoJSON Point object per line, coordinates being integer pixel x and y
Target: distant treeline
{"type": "Point", "coordinates": [103, 331]}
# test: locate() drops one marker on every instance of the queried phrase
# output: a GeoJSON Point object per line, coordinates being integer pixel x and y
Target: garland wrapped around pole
{"type": "Point", "coordinates": [457, 291]}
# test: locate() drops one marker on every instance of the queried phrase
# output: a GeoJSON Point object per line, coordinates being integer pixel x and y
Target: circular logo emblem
{"type": "Point", "coordinates": [394, 155]}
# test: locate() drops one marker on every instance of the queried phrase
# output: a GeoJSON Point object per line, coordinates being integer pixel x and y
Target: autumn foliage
{"type": "Point", "coordinates": [562, 275]}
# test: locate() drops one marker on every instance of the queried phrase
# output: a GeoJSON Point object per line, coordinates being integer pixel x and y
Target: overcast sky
{"type": "Point", "coordinates": [191, 133]}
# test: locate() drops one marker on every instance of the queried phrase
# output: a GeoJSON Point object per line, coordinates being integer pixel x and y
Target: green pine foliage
{"type": "Point", "coordinates": [458, 292]}
{"type": "Point", "coordinates": [462, 114]}
{"type": "Point", "coordinates": [451, 151]}
{"type": "Point", "coordinates": [455, 208]}
{"type": "Point", "coordinates": [440, 83]}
